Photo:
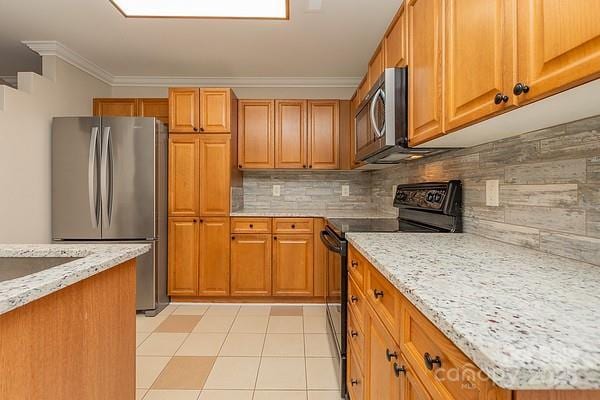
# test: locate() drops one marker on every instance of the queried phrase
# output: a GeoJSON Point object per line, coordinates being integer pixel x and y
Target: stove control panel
{"type": "Point", "coordinates": [428, 196]}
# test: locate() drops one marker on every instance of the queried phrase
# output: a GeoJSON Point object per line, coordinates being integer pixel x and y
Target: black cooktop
{"type": "Point", "coordinates": [342, 226]}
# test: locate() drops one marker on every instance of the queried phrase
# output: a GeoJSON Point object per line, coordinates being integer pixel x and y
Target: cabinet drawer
{"type": "Point", "coordinates": [356, 336]}
{"type": "Point", "coordinates": [292, 225]}
{"type": "Point", "coordinates": [357, 265]}
{"type": "Point", "coordinates": [385, 299]}
{"type": "Point", "coordinates": [250, 225]}
{"type": "Point", "coordinates": [356, 303]}
{"type": "Point", "coordinates": [432, 356]}
{"type": "Point", "coordinates": [354, 377]}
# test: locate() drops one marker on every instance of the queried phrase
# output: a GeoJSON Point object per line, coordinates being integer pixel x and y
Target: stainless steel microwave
{"type": "Point", "coordinates": [382, 121]}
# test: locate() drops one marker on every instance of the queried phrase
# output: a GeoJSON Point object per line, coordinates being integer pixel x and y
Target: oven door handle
{"type": "Point", "coordinates": [329, 244]}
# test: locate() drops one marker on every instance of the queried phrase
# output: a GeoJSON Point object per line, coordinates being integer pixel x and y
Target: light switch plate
{"type": "Point", "coordinates": [276, 190]}
{"type": "Point", "coordinates": [345, 190]}
{"type": "Point", "coordinates": [492, 193]}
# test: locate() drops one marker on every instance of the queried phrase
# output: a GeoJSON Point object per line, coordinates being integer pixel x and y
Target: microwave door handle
{"type": "Point", "coordinates": [93, 176]}
{"type": "Point", "coordinates": [378, 94]}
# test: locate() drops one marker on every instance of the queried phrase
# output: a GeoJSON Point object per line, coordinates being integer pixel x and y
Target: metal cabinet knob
{"type": "Point", "coordinates": [353, 333]}
{"type": "Point", "coordinates": [354, 263]}
{"type": "Point", "coordinates": [201, 129]}
{"type": "Point", "coordinates": [399, 369]}
{"type": "Point", "coordinates": [195, 129]}
{"type": "Point", "coordinates": [377, 293]}
{"type": "Point", "coordinates": [293, 226]}
{"type": "Point", "coordinates": [233, 238]}
{"type": "Point", "coordinates": [354, 382]}
{"type": "Point", "coordinates": [500, 98]}
{"type": "Point", "coordinates": [251, 226]}
{"type": "Point", "coordinates": [389, 355]}
{"type": "Point", "coordinates": [429, 362]}
{"type": "Point", "coordinates": [354, 299]}
{"type": "Point", "coordinates": [520, 88]}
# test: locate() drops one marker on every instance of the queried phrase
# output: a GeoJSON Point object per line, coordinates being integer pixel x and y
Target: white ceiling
{"type": "Point", "coordinates": [336, 41]}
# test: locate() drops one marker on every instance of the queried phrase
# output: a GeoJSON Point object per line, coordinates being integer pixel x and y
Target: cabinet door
{"type": "Point", "coordinates": [355, 379]}
{"type": "Point", "coordinates": [425, 70]}
{"type": "Point", "coordinates": [559, 45]}
{"type": "Point", "coordinates": [214, 257]}
{"type": "Point", "coordinates": [184, 238]}
{"type": "Point", "coordinates": [479, 66]}
{"type": "Point", "coordinates": [396, 43]}
{"type": "Point", "coordinates": [158, 108]}
{"type": "Point", "coordinates": [184, 170]}
{"type": "Point", "coordinates": [381, 354]}
{"type": "Point", "coordinates": [215, 175]}
{"type": "Point", "coordinates": [362, 90]}
{"type": "Point", "coordinates": [376, 66]}
{"type": "Point", "coordinates": [410, 385]}
{"type": "Point", "coordinates": [293, 265]}
{"type": "Point", "coordinates": [184, 110]}
{"type": "Point", "coordinates": [251, 265]}
{"type": "Point", "coordinates": [323, 134]}
{"type": "Point", "coordinates": [256, 134]}
{"type": "Point", "coordinates": [115, 107]}
{"type": "Point", "coordinates": [215, 110]}
{"type": "Point", "coordinates": [290, 134]}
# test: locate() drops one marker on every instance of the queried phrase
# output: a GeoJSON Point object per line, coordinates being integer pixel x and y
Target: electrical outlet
{"type": "Point", "coordinates": [276, 190]}
{"type": "Point", "coordinates": [345, 190]}
{"type": "Point", "coordinates": [492, 193]}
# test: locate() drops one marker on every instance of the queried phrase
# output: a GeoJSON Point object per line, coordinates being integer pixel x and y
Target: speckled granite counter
{"type": "Point", "coordinates": [95, 258]}
{"type": "Point", "coordinates": [311, 213]}
{"type": "Point", "coordinates": [527, 319]}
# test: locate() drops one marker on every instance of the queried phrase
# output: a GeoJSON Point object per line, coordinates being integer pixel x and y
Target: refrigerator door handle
{"type": "Point", "coordinates": [106, 169]}
{"type": "Point", "coordinates": [93, 176]}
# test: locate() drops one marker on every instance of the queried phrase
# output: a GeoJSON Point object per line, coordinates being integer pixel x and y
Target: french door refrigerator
{"type": "Point", "coordinates": [109, 185]}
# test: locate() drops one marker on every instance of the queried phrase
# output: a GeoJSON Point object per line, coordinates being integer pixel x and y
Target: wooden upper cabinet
{"type": "Point", "coordinates": [323, 134]}
{"type": "Point", "coordinates": [362, 90]}
{"type": "Point", "coordinates": [559, 45]}
{"type": "Point", "coordinates": [479, 65]}
{"type": "Point", "coordinates": [215, 110]}
{"type": "Point", "coordinates": [184, 235]}
{"type": "Point", "coordinates": [376, 66]}
{"type": "Point", "coordinates": [215, 175]}
{"type": "Point", "coordinates": [184, 110]}
{"type": "Point", "coordinates": [251, 265]}
{"type": "Point", "coordinates": [158, 108]}
{"type": "Point", "coordinates": [184, 180]}
{"type": "Point", "coordinates": [213, 273]}
{"type": "Point", "coordinates": [293, 265]}
{"type": "Point", "coordinates": [290, 134]}
{"type": "Point", "coordinates": [256, 134]}
{"type": "Point", "coordinates": [425, 70]}
{"type": "Point", "coordinates": [396, 41]}
{"type": "Point", "coordinates": [114, 107]}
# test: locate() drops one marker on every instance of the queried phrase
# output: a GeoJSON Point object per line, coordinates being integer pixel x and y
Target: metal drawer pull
{"type": "Point", "coordinates": [377, 293]}
{"type": "Point", "coordinates": [293, 226]}
{"type": "Point", "coordinates": [354, 334]}
{"type": "Point", "coordinates": [399, 369]}
{"type": "Point", "coordinates": [354, 263]}
{"type": "Point", "coordinates": [429, 362]}
{"type": "Point", "coordinates": [354, 299]}
{"type": "Point", "coordinates": [355, 382]}
{"type": "Point", "coordinates": [251, 226]}
{"type": "Point", "coordinates": [389, 355]}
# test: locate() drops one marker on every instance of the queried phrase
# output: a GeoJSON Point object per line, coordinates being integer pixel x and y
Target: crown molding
{"type": "Point", "coordinates": [54, 48]}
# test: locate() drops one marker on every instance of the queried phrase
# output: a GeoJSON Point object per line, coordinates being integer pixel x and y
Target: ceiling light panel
{"type": "Point", "coordinates": [258, 9]}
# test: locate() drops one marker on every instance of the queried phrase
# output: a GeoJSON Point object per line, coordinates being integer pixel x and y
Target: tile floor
{"type": "Point", "coordinates": [232, 352]}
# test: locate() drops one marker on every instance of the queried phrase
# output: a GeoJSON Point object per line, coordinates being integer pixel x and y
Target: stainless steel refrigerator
{"type": "Point", "coordinates": [109, 185]}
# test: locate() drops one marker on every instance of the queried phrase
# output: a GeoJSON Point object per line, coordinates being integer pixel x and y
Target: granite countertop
{"type": "Point", "coordinates": [361, 213]}
{"type": "Point", "coordinates": [93, 259]}
{"type": "Point", "coordinates": [529, 320]}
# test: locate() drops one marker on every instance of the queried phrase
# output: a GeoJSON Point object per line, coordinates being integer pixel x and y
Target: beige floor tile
{"type": "Point", "coordinates": [321, 373]}
{"type": "Point", "coordinates": [316, 310]}
{"type": "Point", "coordinates": [179, 323]}
{"type": "Point", "coordinates": [250, 324]}
{"type": "Point", "coordinates": [214, 324]}
{"type": "Point", "coordinates": [286, 311]}
{"type": "Point", "coordinates": [254, 310]}
{"type": "Point", "coordinates": [140, 337]}
{"type": "Point", "coordinates": [280, 395]}
{"type": "Point", "coordinates": [222, 309]}
{"type": "Point", "coordinates": [226, 395]}
{"type": "Point", "coordinates": [284, 345]}
{"type": "Point", "coordinates": [148, 369]}
{"type": "Point", "coordinates": [243, 345]}
{"type": "Point", "coordinates": [324, 395]}
{"type": "Point", "coordinates": [231, 373]}
{"type": "Point", "coordinates": [202, 344]}
{"type": "Point", "coordinates": [185, 373]}
{"type": "Point", "coordinates": [191, 310]}
{"type": "Point", "coordinates": [315, 324]}
{"type": "Point", "coordinates": [172, 395]}
{"type": "Point", "coordinates": [285, 325]}
{"type": "Point", "coordinates": [139, 394]}
{"type": "Point", "coordinates": [277, 373]}
{"type": "Point", "coordinates": [318, 345]}
{"type": "Point", "coordinates": [168, 310]}
{"type": "Point", "coordinates": [148, 324]}
{"type": "Point", "coordinates": [161, 344]}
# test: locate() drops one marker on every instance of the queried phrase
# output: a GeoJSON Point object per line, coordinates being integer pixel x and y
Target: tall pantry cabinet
{"type": "Point", "coordinates": [202, 170]}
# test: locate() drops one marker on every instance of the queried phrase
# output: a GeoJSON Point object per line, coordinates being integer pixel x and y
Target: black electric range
{"type": "Point", "coordinates": [433, 207]}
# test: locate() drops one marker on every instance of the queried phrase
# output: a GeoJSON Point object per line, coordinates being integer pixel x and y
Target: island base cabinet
{"type": "Point", "coordinates": [76, 343]}
{"type": "Point", "coordinates": [251, 265]}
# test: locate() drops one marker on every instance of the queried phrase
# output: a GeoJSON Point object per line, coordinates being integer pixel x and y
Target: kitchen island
{"type": "Point", "coordinates": [67, 326]}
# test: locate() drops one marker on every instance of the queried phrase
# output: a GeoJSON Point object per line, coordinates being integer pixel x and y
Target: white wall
{"type": "Point", "coordinates": [25, 124]}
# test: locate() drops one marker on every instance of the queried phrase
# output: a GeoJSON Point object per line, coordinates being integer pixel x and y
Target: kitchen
{"type": "Point", "coordinates": [280, 211]}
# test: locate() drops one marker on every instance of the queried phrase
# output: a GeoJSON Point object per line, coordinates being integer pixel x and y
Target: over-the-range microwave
{"type": "Point", "coordinates": [382, 122]}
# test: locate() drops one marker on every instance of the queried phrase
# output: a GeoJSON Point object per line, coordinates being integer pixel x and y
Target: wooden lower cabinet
{"type": "Point", "coordinates": [251, 265]}
{"type": "Point", "coordinates": [213, 279]}
{"type": "Point", "coordinates": [355, 379]}
{"type": "Point", "coordinates": [411, 387]}
{"type": "Point", "coordinates": [293, 265]}
{"type": "Point", "coordinates": [184, 239]}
